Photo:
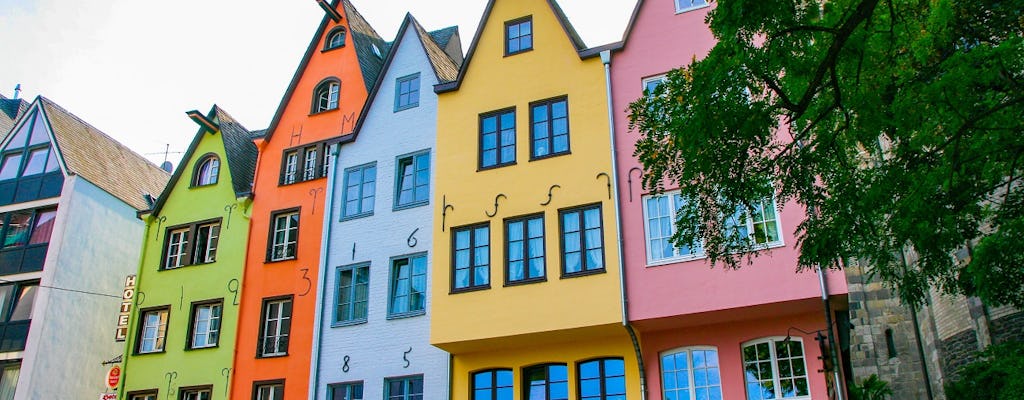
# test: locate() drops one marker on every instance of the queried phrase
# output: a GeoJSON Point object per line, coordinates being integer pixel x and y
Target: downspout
{"type": "Point", "coordinates": [606, 59]}
{"type": "Point", "coordinates": [314, 373]}
{"type": "Point", "coordinates": [128, 341]}
{"type": "Point", "coordinates": [920, 342]}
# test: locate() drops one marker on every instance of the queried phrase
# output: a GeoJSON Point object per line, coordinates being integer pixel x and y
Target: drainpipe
{"type": "Point", "coordinates": [606, 59]}
{"type": "Point", "coordinates": [314, 372]}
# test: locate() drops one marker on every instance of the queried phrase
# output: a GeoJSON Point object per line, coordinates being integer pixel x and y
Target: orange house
{"type": "Point", "coordinates": [278, 297]}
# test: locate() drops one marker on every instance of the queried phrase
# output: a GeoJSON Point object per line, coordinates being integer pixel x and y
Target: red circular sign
{"type": "Point", "coordinates": [113, 377]}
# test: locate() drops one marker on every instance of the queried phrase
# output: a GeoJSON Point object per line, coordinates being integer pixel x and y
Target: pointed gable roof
{"type": "Point", "coordinates": [445, 69]}
{"type": "Point", "coordinates": [570, 33]}
{"type": "Point", "coordinates": [101, 160]}
{"type": "Point", "coordinates": [10, 111]}
{"type": "Point", "coordinates": [364, 38]}
{"type": "Point", "coordinates": [449, 40]}
{"type": "Point", "coordinates": [239, 150]}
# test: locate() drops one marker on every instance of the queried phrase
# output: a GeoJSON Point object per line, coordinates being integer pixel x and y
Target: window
{"type": "Point", "coordinates": [351, 298]}
{"type": "Point", "coordinates": [268, 390]}
{"type": "Point", "coordinates": [471, 257]}
{"type": "Point", "coordinates": [495, 384]}
{"type": "Point", "coordinates": [413, 180]}
{"type": "Point", "coordinates": [275, 327]}
{"type": "Point", "coordinates": [546, 382]}
{"type": "Point", "coordinates": [17, 301]}
{"type": "Point", "coordinates": [207, 171]}
{"type": "Point", "coordinates": [691, 374]}
{"type": "Point", "coordinates": [26, 227]}
{"type": "Point", "coordinates": [524, 249]}
{"type": "Point", "coordinates": [284, 235]}
{"type": "Point", "coordinates": [191, 244]}
{"type": "Point", "coordinates": [313, 159]}
{"type": "Point", "coordinates": [408, 293]}
{"type": "Point", "coordinates": [196, 393]}
{"type": "Point", "coordinates": [687, 5]}
{"type": "Point", "coordinates": [652, 83]}
{"type": "Point", "coordinates": [407, 388]}
{"type": "Point", "coordinates": [335, 39]}
{"type": "Point", "coordinates": [205, 325]}
{"type": "Point", "coordinates": [660, 215]}
{"type": "Point", "coordinates": [759, 224]}
{"type": "Point", "coordinates": [360, 185]}
{"type": "Point", "coordinates": [603, 379]}
{"type": "Point", "coordinates": [9, 379]}
{"type": "Point", "coordinates": [775, 368]}
{"type": "Point", "coordinates": [549, 128]}
{"type": "Point", "coordinates": [582, 240]}
{"type": "Point", "coordinates": [325, 97]}
{"type": "Point", "coordinates": [28, 152]}
{"type": "Point", "coordinates": [407, 92]}
{"type": "Point", "coordinates": [518, 35]}
{"type": "Point", "coordinates": [153, 330]}
{"type": "Point", "coordinates": [345, 391]}
{"type": "Point", "coordinates": [145, 395]}
{"type": "Point", "coordinates": [498, 139]}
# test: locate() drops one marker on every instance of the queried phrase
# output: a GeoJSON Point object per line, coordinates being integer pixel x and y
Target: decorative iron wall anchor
{"type": "Point", "coordinates": [550, 190]}
{"type": "Point", "coordinates": [609, 180]}
{"type": "Point", "coordinates": [629, 180]}
{"type": "Point", "coordinates": [444, 210]}
{"type": "Point", "coordinates": [499, 196]}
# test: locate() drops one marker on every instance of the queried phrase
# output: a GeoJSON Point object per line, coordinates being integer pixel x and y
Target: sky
{"type": "Point", "coordinates": [133, 68]}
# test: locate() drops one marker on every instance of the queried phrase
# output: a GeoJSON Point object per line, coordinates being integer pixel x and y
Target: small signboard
{"type": "Point", "coordinates": [126, 309]}
{"type": "Point", "coordinates": [114, 377]}
{"type": "Point", "coordinates": [108, 396]}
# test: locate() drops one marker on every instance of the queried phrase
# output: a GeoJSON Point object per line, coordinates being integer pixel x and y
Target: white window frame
{"type": "Point", "coordinates": [677, 256]}
{"type": "Point", "coordinates": [209, 171]}
{"type": "Point", "coordinates": [277, 335]}
{"type": "Point", "coordinates": [309, 161]}
{"type": "Point", "coordinates": [690, 370]}
{"type": "Point", "coordinates": [749, 223]}
{"type": "Point", "coordinates": [177, 248]}
{"type": "Point", "coordinates": [288, 228]}
{"type": "Point", "coordinates": [210, 255]}
{"type": "Point", "coordinates": [273, 387]}
{"type": "Point", "coordinates": [776, 381]}
{"type": "Point", "coordinates": [159, 338]}
{"type": "Point", "coordinates": [291, 166]}
{"type": "Point", "coordinates": [213, 321]}
{"type": "Point", "coordinates": [681, 8]}
{"type": "Point", "coordinates": [656, 78]}
{"type": "Point", "coordinates": [196, 394]}
{"type": "Point", "coordinates": [143, 396]}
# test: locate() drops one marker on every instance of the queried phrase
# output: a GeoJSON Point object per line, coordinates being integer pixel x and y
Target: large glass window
{"type": "Point", "coordinates": [691, 374]}
{"type": "Point", "coordinates": [518, 35]}
{"type": "Point", "coordinates": [360, 189]}
{"type": "Point", "coordinates": [28, 152]}
{"type": "Point", "coordinates": [498, 138]}
{"type": "Point", "coordinates": [206, 325]}
{"type": "Point", "coordinates": [549, 127]}
{"type": "Point", "coordinates": [413, 180]}
{"type": "Point", "coordinates": [582, 240]}
{"type": "Point", "coordinates": [471, 257]}
{"type": "Point", "coordinates": [660, 214]}
{"type": "Point", "coordinates": [153, 330]}
{"type": "Point", "coordinates": [276, 327]}
{"type": "Point", "coordinates": [759, 223]}
{"type": "Point", "coordinates": [284, 235]}
{"type": "Point", "coordinates": [546, 382]}
{"type": "Point", "coordinates": [603, 379]}
{"type": "Point", "coordinates": [352, 295]}
{"type": "Point", "coordinates": [408, 285]}
{"type": "Point", "coordinates": [407, 92]}
{"type": "Point", "coordinates": [524, 249]}
{"type": "Point", "coordinates": [405, 388]}
{"type": "Point", "coordinates": [774, 369]}
{"type": "Point", "coordinates": [495, 384]}
{"type": "Point", "coordinates": [345, 391]}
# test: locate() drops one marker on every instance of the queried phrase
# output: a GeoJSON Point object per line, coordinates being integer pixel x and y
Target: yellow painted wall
{"type": "Point", "coordinates": [492, 82]}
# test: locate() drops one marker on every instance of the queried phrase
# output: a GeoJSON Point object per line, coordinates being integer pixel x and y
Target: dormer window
{"type": "Point", "coordinates": [207, 170]}
{"type": "Point", "coordinates": [335, 39]}
{"type": "Point", "coordinates": [687, 5]}
{"type": "Point", "coordinates": [518, 35]}
{"type": "Point", "coordinates": [325, 97]}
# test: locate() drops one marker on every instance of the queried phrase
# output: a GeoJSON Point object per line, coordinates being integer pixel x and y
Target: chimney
{"type": "Point", "coordinates": [17, 91]}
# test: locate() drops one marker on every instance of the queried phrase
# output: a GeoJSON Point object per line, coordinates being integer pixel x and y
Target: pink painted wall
{"type": "Point", "coordinates": [661, 40]}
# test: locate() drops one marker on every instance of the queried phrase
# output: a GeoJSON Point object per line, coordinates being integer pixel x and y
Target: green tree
{"type": "Point", "coordinates": [899, 124]}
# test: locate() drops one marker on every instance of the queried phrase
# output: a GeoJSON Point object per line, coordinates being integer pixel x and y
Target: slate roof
{"type": "Point", "coordinates": [363, 38]}
{"type": "Point", "coordinates": [101, 160]}
{"type": "Point", "coordinates": [239, 150]}
{"type": "Point", "coordinates": [449, 41]}
{"type": "Point", "coordinates": [10, 111]}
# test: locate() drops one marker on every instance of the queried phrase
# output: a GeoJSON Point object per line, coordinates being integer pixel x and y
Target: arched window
{"type": "Point", "coordinates": [325, 97]}
{"type": "Point", "coordinates": [691, 373]}
{"type": "Point", "coordinates": [207, 170]}
{"type": "Point", "coordinates": [335, 39]}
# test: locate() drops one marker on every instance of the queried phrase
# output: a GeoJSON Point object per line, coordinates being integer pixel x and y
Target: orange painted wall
{"type": "Point", "coordinates": [297, 277]}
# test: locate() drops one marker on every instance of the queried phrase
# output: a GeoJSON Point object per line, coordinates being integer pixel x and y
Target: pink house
{"type": "Point", "coordinates": [707, 332]}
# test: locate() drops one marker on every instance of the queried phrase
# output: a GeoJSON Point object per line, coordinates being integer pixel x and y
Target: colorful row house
{"type": "Point", "coordinates": [69, 195]}
{"type": "Point", "coordinates": [374, 324]}
{"type": "Point", "coordinates": [181, 341]}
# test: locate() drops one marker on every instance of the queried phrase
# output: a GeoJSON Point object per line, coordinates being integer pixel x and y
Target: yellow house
{"type": "Point", "coordinates": [528, 296]}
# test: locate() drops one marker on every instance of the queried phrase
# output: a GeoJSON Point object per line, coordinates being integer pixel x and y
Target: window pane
{"type": "Point", "coordinates": [36, 162]}
{"type": "Point", "coordinates": [18, 229]}
{"type": "Point", "coordinates": [9, 168]}
{"type": "Point", "coordinates": [23, 307]}
{"type": "Point", "coordinates": [43, 227]}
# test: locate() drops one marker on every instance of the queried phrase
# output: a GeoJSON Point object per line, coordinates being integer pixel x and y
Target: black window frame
{"type": "Point", "coordinates": [191, 235]}
{"type": "Point", "coordinates": [548, 103]}
{"type": "Point", "coordinates": [583, 241]}
{"type": "Point", "coordinates": [198, 166]}
{"type": "Point", "coordinates": [256, 385]}
{"type": "Point", "coordinates": [263, 323]}
{"type": "Point", "coordinates": [472, 256]}
{"type": "Point", "coordinates": [189, 340]}
{"type": "Point", "coordinates": [398, 91]}
{"type": "Point", "coordinates": [498, 162]}
{"type": "Point", "coordinates": [508, 40]}
{"type": "Point", "coordinates": [270, 235]}
{"type": "Point", "coordinates": [325, 85]}
{"type": "Point", "coordinates": [140, 330]}
{"type": "Point", "coordinates": [361, 213]}
{"type": "Point", "coordinates": [412, 158]}
{"type": "Point", "coordinates": [524, 219]}
{"type": "Point", "coordinates": [525, 378]}
{"type": "Point", "coordinates": [603, 377]}
{"type": "Point", "coordinates": [493, 389]}
{"type": "Point", "coordinates": [324, 157]}
{"type": "Point", "coordinates": [340, 29]}
{"type": "Point", "coordinates": [184, 390]}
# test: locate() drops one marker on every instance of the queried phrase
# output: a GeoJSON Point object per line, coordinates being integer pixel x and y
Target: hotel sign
{"type": "Point", "coordinates": [126, 309]}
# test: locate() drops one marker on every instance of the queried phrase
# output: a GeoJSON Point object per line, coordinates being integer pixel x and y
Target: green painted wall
{"type": "Point", "coordinates": [178, 367]}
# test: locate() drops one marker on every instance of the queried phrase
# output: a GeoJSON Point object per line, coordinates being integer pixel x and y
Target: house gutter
{"type": "Point", "coordinates": [314, 372]}
{"type": "Point", "coordinates": [606, 59]}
